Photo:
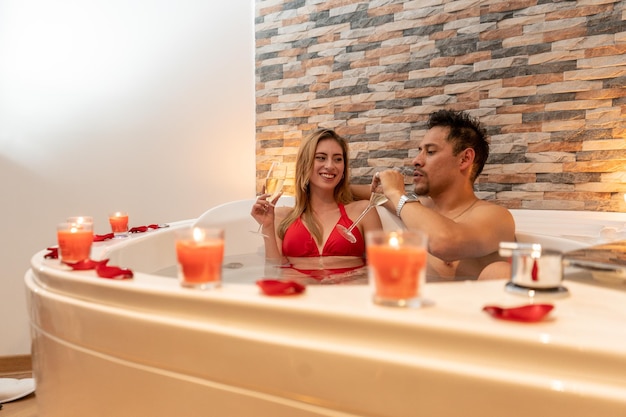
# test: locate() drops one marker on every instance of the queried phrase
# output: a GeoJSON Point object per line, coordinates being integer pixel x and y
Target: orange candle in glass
{"type": "Point", "coordinates": [119, 223]}
{"type": "Point", "coordinates": [200, 253]}
{"type": "Point", "coordinates": [397, 265]}
{"type": "Point", "coordinates": [75, 240]}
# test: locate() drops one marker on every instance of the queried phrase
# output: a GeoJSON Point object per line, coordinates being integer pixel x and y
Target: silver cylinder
{"type": "Point", "coordinates": [532, 266]}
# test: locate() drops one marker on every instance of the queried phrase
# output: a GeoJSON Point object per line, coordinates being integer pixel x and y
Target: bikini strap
{"type": "Point", "coordinates": [342, 210]}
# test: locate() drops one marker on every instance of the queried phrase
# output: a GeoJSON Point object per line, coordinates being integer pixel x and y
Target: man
{"type": "Point", "coordinates": [464, 233]}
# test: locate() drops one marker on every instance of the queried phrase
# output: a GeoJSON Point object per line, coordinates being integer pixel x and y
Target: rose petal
{"type": "Point", "coordinates": [100, 238]}
{"type": "Point", "coordinates": [84, 265]}
{"type": "Point", "coordinates": [113, 272]}
{"type": "Point", "coordinates": [280, 287]}
{"type": "Point", "coordinates": [526, 313]}
{"type": "Point", "coordinates": [142, 229]}
{"type": "Point", "coordinates": [53, 254]}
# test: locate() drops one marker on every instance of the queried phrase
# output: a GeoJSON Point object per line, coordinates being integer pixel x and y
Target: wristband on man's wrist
{"type": "Point", "coordinates": [403, 200]}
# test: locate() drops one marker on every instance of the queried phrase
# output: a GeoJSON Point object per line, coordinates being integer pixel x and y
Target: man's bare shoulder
{"type": "Point", "coordinates": [495, 216]}
{"type": "Point", "coordinates": [492, 208]}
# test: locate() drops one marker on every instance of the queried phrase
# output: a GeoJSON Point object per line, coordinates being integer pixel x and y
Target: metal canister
{"type": "Point", "coordinates": [532, 266]}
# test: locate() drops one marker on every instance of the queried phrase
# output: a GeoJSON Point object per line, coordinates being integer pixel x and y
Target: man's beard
{"type": "Point", "coordinates": [421, 189]}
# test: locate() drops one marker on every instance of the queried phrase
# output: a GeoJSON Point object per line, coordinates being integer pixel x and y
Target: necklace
{"type": "Point", "coordinates": [464, 211]}
{"type": "Point", "coordinates": [447, 263]}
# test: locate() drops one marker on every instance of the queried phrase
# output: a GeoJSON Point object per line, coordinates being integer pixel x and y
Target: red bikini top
{"type": "Point", "coordinates": [298, 241]}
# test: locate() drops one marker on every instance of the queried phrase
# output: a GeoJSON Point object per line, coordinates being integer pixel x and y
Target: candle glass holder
{"type": "Point", "coordinates": [200, 254]}
{"type": "Point", "coordinates": [75, 240]}
{"type": "Point", "coordinates": [119, 224]}
{"type": "Point", "coordinates": [80, 219]}
{"type": "Point", "coordinates": [397, 266]}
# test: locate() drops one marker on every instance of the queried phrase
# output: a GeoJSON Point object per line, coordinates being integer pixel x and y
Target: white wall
{"type": "Point", "coordinates": [138, 105]}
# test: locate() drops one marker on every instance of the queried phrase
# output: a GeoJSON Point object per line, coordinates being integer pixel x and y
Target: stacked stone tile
{"type": "Point", "coordinates": [546, 78]}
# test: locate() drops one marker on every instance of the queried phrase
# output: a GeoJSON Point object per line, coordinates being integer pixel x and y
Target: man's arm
{"type": "Point", "coordinates": [364, 192]}
{"type": "Point", "coordinates": [477, 234]}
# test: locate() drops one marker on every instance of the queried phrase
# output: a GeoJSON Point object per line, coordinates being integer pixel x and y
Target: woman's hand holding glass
{"type": "Point", "coordinates": [263, 211]}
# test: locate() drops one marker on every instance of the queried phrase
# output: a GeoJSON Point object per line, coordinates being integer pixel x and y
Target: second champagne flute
{"type": "Point", "coordinates": [273, 184]}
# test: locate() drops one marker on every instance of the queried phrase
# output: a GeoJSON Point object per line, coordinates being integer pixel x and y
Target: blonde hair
{"type": "Point", "coordinates": [304, 166]}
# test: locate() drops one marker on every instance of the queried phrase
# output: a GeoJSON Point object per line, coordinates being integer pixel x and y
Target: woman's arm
{"type": "Point", "coordinates": [268, 216]}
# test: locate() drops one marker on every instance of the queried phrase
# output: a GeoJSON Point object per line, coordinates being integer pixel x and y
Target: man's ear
{"type": "Point", "coordinates": [467, 158]}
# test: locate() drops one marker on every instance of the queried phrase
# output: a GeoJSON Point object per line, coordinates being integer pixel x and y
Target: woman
{"type": "Point", "coordinates": [305, 236]}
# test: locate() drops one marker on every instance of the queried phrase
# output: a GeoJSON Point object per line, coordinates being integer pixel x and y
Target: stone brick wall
{"type": "Point", "coordinates": [546, 78]}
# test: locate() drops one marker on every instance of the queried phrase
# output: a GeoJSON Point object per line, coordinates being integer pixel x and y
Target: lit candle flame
{"type": "Point", "coordinates": [198, 234]}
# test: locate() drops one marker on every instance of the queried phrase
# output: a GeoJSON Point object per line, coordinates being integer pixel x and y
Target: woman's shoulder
{"type": "Point", "coordinates": [357, 203]}
{"type": "Point", "coordinates": [356, 206]}
{"type": "Point", "coordinates": [282, 211]}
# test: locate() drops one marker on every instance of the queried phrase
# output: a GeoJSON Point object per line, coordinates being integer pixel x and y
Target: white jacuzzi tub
{"type": "Point", "coordinates": [149, 347]}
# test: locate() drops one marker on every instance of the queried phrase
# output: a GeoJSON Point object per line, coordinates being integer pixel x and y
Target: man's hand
{"type": "Point", "coordinates": [390, 182]}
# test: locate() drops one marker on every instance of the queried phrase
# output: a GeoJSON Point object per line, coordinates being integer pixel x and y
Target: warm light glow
{"type": "Point", "coordinates": [198, 234]}
{"type": "Point", "coordinates": [99, 65]}
{"type": "Point", "coordinates": [394, 241]}
{"type": "Point", "coordinates": [105, 63]}
{"type": "Point", "coordinates": [557, 385]}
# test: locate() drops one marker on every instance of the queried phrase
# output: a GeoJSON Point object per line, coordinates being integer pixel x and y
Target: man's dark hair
{"type": "Point", "coordinates": [465, 132]}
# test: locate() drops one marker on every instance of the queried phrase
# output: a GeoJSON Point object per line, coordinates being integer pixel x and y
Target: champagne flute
{"type": "Point", "coordinates": [376, 199]}
{"type": "Point", "coordinates": [273, 185]}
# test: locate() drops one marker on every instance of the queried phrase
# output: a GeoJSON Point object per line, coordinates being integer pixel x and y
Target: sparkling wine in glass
{"type": "Point", "coordinates": [273, 184]}
{"type": "Point", "coordinates": [376, 199]}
